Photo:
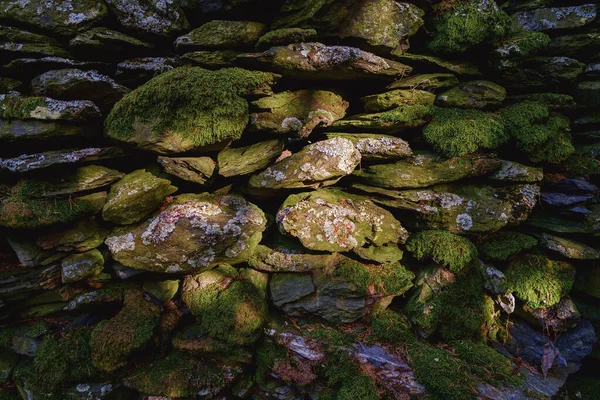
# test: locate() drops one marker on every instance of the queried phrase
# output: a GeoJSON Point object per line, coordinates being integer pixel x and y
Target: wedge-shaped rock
{"type": "Point", "coordinates": [374, 147]}
{"type": "Point", "coordinates": [587, 222]}
{"type": "Point", "coordinates": [473, 94]}
{"type": "Point", "coordinates": [28, 131]}
{"type": "Point", "coordinates": [137, 71]}
{"type": "Point", "coordinates": [161, 18]}
{"type": "Point", "coordinates": [77, 267]}
{"type": "Point", "coordinates": [396, 98]}
{"type": "Point", "coordinates": [85, 235]}
{"type": "Point", "coordinates": [319, 164]}
{"type": "Point", "coordinates": [332, 220]}
{"type": "Point", "coordinates": [18, 43]}
{"type": "Point", "coordinates": [29, 253]}
{"type": "Point", "coordinates": [392, 121]}
{"type": "Point", "coordinates": [285, 36]}
{"type": "Point", "coordinates": [15, 106]}
{"type": "Point", "coordinates": [221, 35]}
{"type": "Point", "coordinates": [135, 197]}
{"type": "Point", "coordinates": [30, 162]}
{"type": "Point", "coordinates": [192, 169]}
{"type": "Point", "coordinates": [109, 42]}
{"type": "Point", "coordinates": [194, 232]}
{"type": "Point", "coordinates": [318, 61]}
{"type": "Point", "coordinates": [569, 248]}
{"type": "Point", "coordinates": [429, 82]}
{"type": "Point", "coordinates": [458, 207]}
{"type": "Point", "coordinates": [245, 160]}
{"type": "Point", "coordinates": [425, 170]}
{"type": "Point", "coordinates": [297, 113]}
{"type": "Point", "coordinates": [435, 63]}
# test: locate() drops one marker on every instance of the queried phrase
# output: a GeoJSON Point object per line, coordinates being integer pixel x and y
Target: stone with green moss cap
{"type": "Point", "coordinates": [109, 42]}
{"type": "Point", "coordinates": [517, 45]}
{"type": "Point", "coordinates": [19, 43]}
{"type": "Point", "coordinates": [393, 121]}
{"type": "Point", "coordinates": [77, 267]}
{"type": "Point", "coordinates": [473, 94]}
{"type": "Point", "coordinates": [285, 36]}
{"type": "Point", "coordinates": [82, 179]}
{"type": "Point", "coordinates": [374, 147]}
{"type": "Point", "coordinates": [429, 82]}
{"type": "Point", "coordinates": [16, 106]}
{"type": "Point", "coordinates": [297, 113]}
{"type": "Point", "coordinates": [221, 35]}
{"type": "Point", "coordinates": [85, 235]}
{"type": "Point", "coordinates": [426, 170]}
{"type": "Point", "coordinates": [504, 245]}
{"type": "Point", "coordinates": [214, 113]}
{"type": "Point", "coordinates": [193, 169]}
{"type": "Point", "coordinates": [332, 220]}
{"type": "Point", "coordinates": [29, 131]}
{"type": "Point", "coordinates": [193, 233]}
{"type": "Point", "coordinates": [162, 18]}
{"type": "Point", "coordinates": [396, 98]}
{"type": "Point", "coordinates": [135, 197]}
{"type": "Point", "coordinates": [319, 61]}
{"type": "Point", "coordinates": [511, 171]}
{"type": "Point", "coordinates": [245, 160]}
{"type": "Point", "coordinates": [323, 15]}
{"type": "Point", "coordinates": [320, 164]}
{"type": "Point", "coordinates": [210, 59]}
{"type": "Point", "coordinates": [162, 290]}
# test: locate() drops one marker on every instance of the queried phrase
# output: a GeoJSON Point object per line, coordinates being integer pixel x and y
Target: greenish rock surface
{"type": "Point", "coordinates": [589, 223]}
{"type": "Point", "coordinates": [109, 41]}
{"type": "Point", "coordinates": [452, 251]}
{"type": "Point", "coordinates": [28, 131]}
{"type": "Point", "coordinates": [430, 62]}
{"type": "Point", "coordinates": [323, 15]}
{"type": "Point", "coordinates": [85, 235]}
{"type": "Point", "coordinates": [29, 67]}
{"type": "Point", "coordinates": [193, 233]}
{"type": "Point", "coordinates": [472, 94]}
{"type": "Point", "coordinates": [289, 256]}
{"type": "Point", "coordinates": [504, 245]}
{"type": "Point", "coordinates": [383, 23]}
{"type": "Point", "coordinates": [192, 169]}
{"type": "Point", "coordinates": [63, 17]}
{"type": "Point", "coordinates": [137, 71]}
{"type": "Point", "coordinates": [216, 112]}
{"type": "Point", "coordinates": [81, 266]}
{"type": "Point", "coordinates": [285, 36]}
{"type": "Point", "coordinates": [429, 82]}
{"type": "Point", "coordinates": [426, 170]}
{"type": "Point", "coordinates": [15, 106]}
{"type": "Point", "coordinates": [135, 197]}
{"type": "Point", "coordinates": [319, 61]}
{"type": "Point", "coordinates": [541, 73]}
{"type": "Point", "coordinates": [221, 35]}
{"type": "Point", "coordinates": [30, 162]}
{"type": "Point", "coordinates": [332, 220]}
{"type": "Point", "coordinates": [521, 43]}
{"type": "Point", "coordinates": [18, 43]}
{"type": "Point", "coordinates": [9, 85]}
{"type": "Point", "coordinates": [72, 84]}
{"type": "Point", "coordinates": [156, 18]}
{"type": "Point", "coordinates": [396, 98]}
{"type": "Point", "coordinates": [511, 171]}
{"type": "Point", "coordinates": [575, 45]}
{"type": "Point", "coordinates": [29, 253]}
{"type": "Point", "coordinates": [162, 290]}
{"type": "Point", "coordinates": [245, 160]}
{"type": "Point", "coordinates": [374, 147]}
{"type": "Point", "coordinates": [545, 19]}
{"type": "Point", "coordinates": [587, 93]}
{"type": "Point", "coordinates": [320, 164]}
{"type": "Point", "coordinates": [392, 121]}
{"type": "Point", "coordinates": [297, 113]}
{"type": "Point", "coordinates": [569, 248]}
{"type": "Point", "coordinates": [210, 59]}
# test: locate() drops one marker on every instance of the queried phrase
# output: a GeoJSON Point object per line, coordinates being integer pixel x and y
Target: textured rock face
{"type": "Point", "coordinates": [219, 35]}
{"type": "Point", "coordinates": [163, 18]}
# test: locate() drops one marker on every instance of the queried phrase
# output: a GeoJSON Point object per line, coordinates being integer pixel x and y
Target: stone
{"type": "Point", "coordinates": [81, 266]}
{"type": "Point", "coordinates": [28, 68]}
{"type": "Point", "coordinates": [84, 236]}
{"type": "Point", "coordinates": [429, 82]}
{"type": "Point", "coordinates": [569, 248]}
{"type": "Point", "coordinates": [162, 290]}
{"type": "Point", "coordinates": [575, 45]}
{"type": "Point", "coordinates": [425, 170]}
{"type": "Point", "coordinates": [221, 35]}
{"type": "Point", "coordinates": [156, 18]}
{"type": "Point", "coordinates": [192, 169]}
{"type": "Point", "coordinates": [588, 281]}
{"type": "Point", "coordinates": [562, 199]}
{"type": "Point", "coordinates": [383, 24]}
{"type": "Point", "coordinates": [430, 62]}
{"type": "Point", "coordinates": [323, 15]}
{"type": "Point", "coordinates": [573, 186]}
{"type": "Point", "coordinates": [541, 72]}
{"type": "Point", "coordinates": [30, 162]}
{"type": "Point", "coordinates": [374, 147]}
{"type": "Point", "coordinates": [63, 17]}
{"type": "Point", "coordinates": [511, 171]}
{"type": "Point", "coordinates": [208, 118]}
{"type": "Point", "coordinates": [73, 84]}
{"type": "Point", "coordinates": [529, 344]}
{"type": "Point", "coordinates": [246, 160]}
{"type": "Point", "coordinates": [135, 197]}
{"type": "Point", "coordinates": [293, 258]}
{"type": "Point", "coordinates": [193, 233]}
{"type": "Point", "coordinates": [108, 42]}
{"type": "Point", "coordinates": [15, 106]}
{"type": "Point", "coordinates": [577, 343]}
{"type": "Point", "coordinates": [297, 113]}
{"type": "Point", "coordinates": [589, 222]}
{"type": "Point", "coordinates": [18, 43]}
{"type": "Point", "coordinates": [211, 59]}
{"type": "Point", "coordinates": [29, 253]}
{"type": "Point", "coordinates": [396, 98]}
{"type": "Point", "coordinates": [285, 36]}
{"type": "Point", "coordinates": [558, 318]}
{"type": "Point", "coordinates": [320, 164]}
{"type": "Point", "coordinates": [586, 93]}
{"type": "Point", "coordinates": [473, 94]}
{"type": "Point", "coordinates": [137, 71]}
{"type": "Point", "coordinates": [332, 220]}
{"type": "Point", "coordinates": [10, 85]}
{"type": "Point", "coordinates": [555, 18]}
{"type": "Point", "coordinates": [319, 61]}
{"type": "Point", "coordinates": [28, 131]}
{"type": "Point", "coordinates": [393, 121]}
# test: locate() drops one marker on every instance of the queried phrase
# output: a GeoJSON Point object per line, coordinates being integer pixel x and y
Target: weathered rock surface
{"type": "Point", "coordinates": [429, 82]}
{"type": "Point", "coordinates": [396, 98]}
{"type": "Point", "coordinates": [15, 130]}
{"type": "Point", "coordinates": [376, 147]}
{"type": "Point", "coordinates": [569, 248]}
{"type": "Point", "coordinates": [220, 35]}
{"type": "Point", "coordinates": [15, 106]}
{"type": "Point", "coordinates": [77, 267]}
{"type": "Point", "coordinates": [245, 160]}
{"type": "Point", "coordinates": [18, 43]}
{"type": "Point", "coordinates": [543, 19]}
{"type": "Point", "coordinates": [157, 18]}
{"type": "Point", "coordinates": [192, 169]}
{"type": "Point", "coordinates": [108, 41]}
{"type": "Point", "coordinates": [472, 94]}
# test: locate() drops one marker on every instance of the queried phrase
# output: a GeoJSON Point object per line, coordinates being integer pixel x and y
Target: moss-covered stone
{"type": "Point", "coordinates": [503, 245]}
{"type": "Point", "coordinates": [166, 117]}
{"type": "Point", "coordinates": [554, 101]}
{"type": "Point", "coordinates": [285, 36]}
{"type": "Point", "coordinates": [396, 98]}
{"type": "Point", "coordinates": [10, 84]}
{"type": "Point", "coordinates": [245, 160]}
{"type": "Point", "coordinates": [135, 197]}
{"type": "Point", "coordinates": [162, 290]}
{"type": "Point", "coordinates": [374, 147]}
{"type": "Point", "coordinates": [538, 281]}
{"type": "Point", "coordinates": [522, 43]}
{"type": "Point", "coordinates": [15, 106]}
{"type": "Point", "coordinates": [473, 94]}
{"type": "Point", "coordinates": [430, 62]}
{"type": "Point", "coordinates": [193, 233]}
{"type": "Point", "coordinates": [568, 247]}
{"type": "Point", "coordinates": [429, 82]}
{"type": "Point", "coordinates": [221, 35]}
{"type": "Point", "coordinates": [210, 59]}
{"type": "Point", "coordinates": [511, 171]}
{"type": "Point", "coordinates": [77, 267]}
{"type": "Point", "coordinates": [108, 42]}
{"type": "Point", "coordinates": [156, 18]}
{"type": "Point", "coordinates": [586, 93]}
{"type": "Point", "coordinates": [392, 121]}
{"type": "Point", "coordinates": [545, 19]}
{"type": "Point", "coordinates": [113, 340]}
{"type": "Point", "coordinates": [29, 131]}
{"type": "Point", "coordinates": [452, 251]}
{"type": "Point", "coordinates": [193, 169]}
{"type": "Point", "coordinates": [134, 72]}
{"type": "Point", "coordinates": [323, 15]}
{"type": "Point", "coordinates": [289, 259]}
{"type": "Point", "coordinates": [19, 43]}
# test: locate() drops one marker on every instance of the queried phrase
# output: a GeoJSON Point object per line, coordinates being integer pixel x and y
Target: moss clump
{"type": "Point", "coordinates": [130, 330]}
{"type": "Point", "coordinates": [452, 251]}
{"type": "Point", "coordinates": [454, 132]}
{"type": "Point", "coordinates": [60, 361]}
{"type": "Point", "coordinates": [353, 272]}
{"type": "Point", "coordinates": [503, 245]}
{"type": "Point", "coordinates": [407, 113]}
{"type": "Point", "coordinates": [390, 326]}
{"type": "Point", "coordinates": [389, 278]}
{"type": "Point", "coordinates": [554, 101]}
{"type": "Point", "coordinates": [581, 165]}
{"type": "Point", "coordinates": [538, 281]}
{"type": "Point", "coordinates": [345, 380]}
{"type": "Point", "coordinates": [486, 363]}
{"type": "Point", "coordinates": [17, 107]}
{"type": "Point", "coordinates": [192, 103]}
{"type": "Point", "coordinates": [467, 23]}
{"type": "Point", "coordinates": [524, 43]}
{"type": "Point", "coordinates": [279, 37]}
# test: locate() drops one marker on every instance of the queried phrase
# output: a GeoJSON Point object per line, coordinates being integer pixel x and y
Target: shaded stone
{"type": "Point", "coordinates": [511, 171]}
{"type": "Point", "coordinates": [194, 232]}
{"type": "Point", "coordinates": [30, 162]}
{"type": "Point", "coordinates": [559, 318]}
{"type": "Point", "coordinates": [472, 94]}
{"type": "Point", "coordinates": [13, 105]}
{"type": "Point", "coordinates": [288, 287]}
{"type": "Point", "coordinates": [589, 222]}
{"type": "Point", "coordinates": [17, 43]}
{"type": "Point", "coordinates": [85, 235]}
{"type": "Point", "coordinates": [332, 220]}
{"type": "Point", "coordinates": [162, 290]}
{"type": "Point", "coordinates": [568, 247]}
{"type": "Point", "coordinates": [541, 72]}
{"type": "Point", "coordinates": [245, 160]}
{"type": "Point", "coordinates": [392, 121]}
{"type": "Point", "coordinates": [577, 343]}
{"type": "Point", "coordinates": [323, 15]}
{"type": "Point", "coordinates": [83, 179]}
{"type": "Point", "coordinates": [221, 35]}
{"type": "Point", "coordinates": [575, 45]}
{"type": "Point", "coordinates": [285, 36]}
{"type": "Point", "coordinates": [562, 199]}
{"type": "Point", "coordinates": [210, 59]}
{"type": "Point", "coordinates": [192, 169]}
{"type": "Point", "coordinates": [426, 170]}
{"type": "Point", "coordinates": [573, 186]}
{"type": "Point", "coordinates": [588, 281]}
{"type": "Point", "coordinates": [318, 61]}
{"type": "Point", "coordinates": [320, 164]}
{"type": "Point", "coordinates": [396, 98]}
{"type": "Point", "coordinates": [158, 18]}
{"type": "Point", "coordinates": [9, 85]}
{"type": "Point", "coordinates": [429, 82]}
{"type": "Point", "coordinates": [587, 93]}
{"type": "Point", "coordinates": [297, 113]}
{"type": "Point", "coordinates": [109, 42]}
{"type": "Point", "coordinates": [136, 71]}
{"type": "Point", "coordinates": [63, 17]}
{"type": "Point", "coordinates": [28, 68]}
{"type": "Point", "coordinates": [29, 253]}
{"type": "Point", "coordinates": [433, 62]}
{"type": "Point", "coordinates": [374, 147]}
{"type": "Point", "coordinates": [528, 343]}
{"type": "Point", "coordinates": [20, 131]}
{"type": "Point", "coordinates": [77, 267]}
{"type": "Point", "coordinates": [544, 19]}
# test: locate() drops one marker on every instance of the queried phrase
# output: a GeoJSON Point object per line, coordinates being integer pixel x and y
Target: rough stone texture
{"type": "Point", "coordinates": [77, 267]}
{"type": "Point", "coordinates": [473, 94]}
{"type": "Point", "coordinates": [15, 130]}
{"type": "Point", "coordinates": [221, 35]}
{"type": "Point", "coordinates": [374, 147]}
{"type": "Point", "coordinates": [569, 248]}
{"type": "Point", "coordinates": [18, 43]}
{"type": "Point", "coordinates": [430, 82]}
{"type": "Point", "coordinates": [396, 98]}
{"type": "Point", "coordinates": [108, 41]}
{"type": "Point", "coordinates": [544, 19]}
{"type": "Point", "coordinates": [245, 160]}
{"type": "Point", "coordinates": [192, 169]}
{"type": "Point", "coordinates": [13, 105]}
{"type": "Point", "coordinates": [511, 171]}
{"type": "Point", "coordinates": [162, 18]}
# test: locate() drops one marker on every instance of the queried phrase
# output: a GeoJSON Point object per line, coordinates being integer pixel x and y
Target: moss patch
{"type": "Point", "coordinates": [452, 251]}
{"type": "Point", "coordinates": [345, 380]}
{"type": "Point", "coordinates": [407, 113]}
{"type": "Point", "coordinates": [503, 245]}
{"type": "Point", "coordinates": [524, 43]}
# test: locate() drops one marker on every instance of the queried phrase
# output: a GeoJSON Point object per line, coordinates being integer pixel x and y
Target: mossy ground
{"type": "Point", "coordinates": [443, 247]}
{"type": "Point", "coordinates": [503, 245]}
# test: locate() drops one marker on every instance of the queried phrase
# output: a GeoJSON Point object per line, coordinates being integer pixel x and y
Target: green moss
{"type": "Point", "coordinates": [390, 326]}
{"type": "Point", "coordinates": [453, 132]}
{"type": "Point", "coordinates": [581, 165]}
{"type": "Point", "coordinates": [554, 101]}
{"type": "Point", "coordinates": [452, 251]}
{"type": "Point", "coordinates": [65, 360]}
{"type": "Point", "coordinates": [131, 329]}
{"type": "Point", "coordinates": [279, 37]}
{"type": "Point", "coordinates": [524, 43]}
{"type": "Point", "coordinates": [17, 107]}
{"type": "Point", "coordinates": [407, 113]}
{"type": "Point", "coordinates": [390, 278]}
{"type": "Point", "coordinates": [265, 357]}
{"type": "Point", "coordinates": [538, 281]}
{"type": "Point", "coordinates": [212, 112]}
{"type": "Point", "coordinates": [501, 246]}
{"type": "Point", "coordinates": [353, 272]}
{"type": "Point", "coordinates": [331, 336]}
{"type": "Point", "coordinates": [467, 23]}
{"type": "Point", "coordinates": [344, 378]}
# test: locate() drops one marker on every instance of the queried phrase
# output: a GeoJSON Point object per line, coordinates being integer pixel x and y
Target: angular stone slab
{"type": "Point", "coordinates": [18, 43]}
{"type": "Point", "coordinates": [221, 35]}
{"type": "Point", "coordinates": [245, 160]}
{"type": "Point", "coordinates": [13, 105]}
{"type": "Point", "coordinates": [374, 147]}
{"type": "Point", "coordinates": [192, 169]}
